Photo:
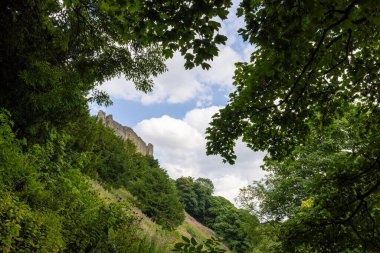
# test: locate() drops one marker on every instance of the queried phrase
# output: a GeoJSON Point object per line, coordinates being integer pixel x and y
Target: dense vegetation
{"type": "Point", "coordinates": [117, 163]}
{"type": "Point", "coordinates": [48, 205]}
{"type": "Point", "coordinates": [53, 54]}
{"type": "Point", "coordinates": [321, 194]}
{"type": "Point", "coordinates": [235, 227]}
{"type": "Point", "coordinates": [309, 97]}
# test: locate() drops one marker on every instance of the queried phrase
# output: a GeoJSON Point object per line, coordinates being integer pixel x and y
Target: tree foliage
{"type": "Point", "coordinates": [312, 59]}
{"type": "Point", "coordinates": [47, 204]}
{"type": "Point", "coordinates": [54, 53]}
{"type": "Point", "coordinates": [195, 195]}
{"type": "Point", "coordinates": [324, 196]}
{"type": "Point", "coordinates": [309, 97]}
{"type": "Point", "coordinates": [185, 188]}
{"type": "Point", "coordinates": [117, 163]}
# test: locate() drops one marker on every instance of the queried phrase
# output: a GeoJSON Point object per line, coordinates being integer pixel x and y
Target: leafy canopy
{"type": "Point", "coordinates": [54, 53]}
{"type": "Point", "coordinates": [312, 59]}
{"type": "Point", "coordinates": [309, 96]}
{"type": "Point", "coordinates": [324, 196]}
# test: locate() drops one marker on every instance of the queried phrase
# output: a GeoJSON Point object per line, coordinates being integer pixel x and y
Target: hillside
{"type": "Point", "coordinates": [296, 80]}
{"type": "Point", "coordinates": [86, 190]}
{"type": "Point", "coordinates": [157, 239]}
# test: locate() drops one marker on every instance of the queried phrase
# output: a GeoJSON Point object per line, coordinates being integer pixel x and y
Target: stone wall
{"type": "Point", "coordinates": [126, 133]}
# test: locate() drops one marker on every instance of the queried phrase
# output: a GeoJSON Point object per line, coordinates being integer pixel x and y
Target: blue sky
{"type": "Point", "coordinates": [174, 116]}
{"type": "Point", "coordinates": [132, 112]}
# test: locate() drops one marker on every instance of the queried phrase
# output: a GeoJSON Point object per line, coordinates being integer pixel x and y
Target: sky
{"type": "Point", "coordinates": [175, 115]}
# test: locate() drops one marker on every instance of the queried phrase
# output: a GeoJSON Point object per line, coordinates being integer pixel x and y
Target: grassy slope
{"type": "Point", "coordinates": [163, 239]}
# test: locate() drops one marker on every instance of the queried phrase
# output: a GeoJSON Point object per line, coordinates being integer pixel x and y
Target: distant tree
{"type": "Point", "coordinates": [203, 188]}
{"type": "Point", "coordinates": [185, 188]}
{"type": "Point", "coordinates": [236, 227]}
{"type": "Point", "coordinates": [217, 206]}
{"type": "Point", "coordinates": [195, 195]}
{"type": "Point", "coordinates": [157, 196]}
{"type": "Point", "coordinates": [205, 183]}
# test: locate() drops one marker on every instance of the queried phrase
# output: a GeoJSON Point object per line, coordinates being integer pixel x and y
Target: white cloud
{"type": "Point", "coordinates": [200, 118]}
{"type": "Point", "coordinates": [179, 145]}
{"type": "Point", "coordinates": [179, 85]}
{"type": "Point", "coordinates": [121, 88]}
{"type": "Point", "coordinates": [175, 86]}
{"type": "Point", "coordinates": [228, 186]}
{"type": "Point", "coordinates": [222, 68]}
{"type": "Point", "coordinates": [176, 144]}
{"type": "Point", "coordinates": [171, 131]}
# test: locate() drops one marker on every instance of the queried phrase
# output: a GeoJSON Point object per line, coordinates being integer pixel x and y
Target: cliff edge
{"type": "Point", "coordinates": [126, 133]}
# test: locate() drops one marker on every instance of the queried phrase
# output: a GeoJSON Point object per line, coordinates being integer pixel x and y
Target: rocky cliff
{"type": "Point", "coordinates": [126, 133]}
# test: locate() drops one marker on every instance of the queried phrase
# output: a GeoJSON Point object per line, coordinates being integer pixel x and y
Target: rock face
{"type": "Point", "coordinates": [126, 133]}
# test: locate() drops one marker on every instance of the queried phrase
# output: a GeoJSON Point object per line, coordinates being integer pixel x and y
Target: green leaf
{"type": "Point", "coordinates": [185, 239]}
{"type": "Point", "coordinates": [205, 66]}
{"type": "Point", "coordinates": [220, 39]}
{"type": "Point", "coordinates": [189, 65]}
{"type": "Point", "coordinates": [239, 12]}
{"type": "Point", "coordinates": [179, 245]}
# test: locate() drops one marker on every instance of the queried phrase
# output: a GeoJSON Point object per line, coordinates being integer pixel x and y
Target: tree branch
{"type": "Point", "coordinates": [314, 53]}
{"type": "Point", "coordinates": [345, 57]}
{"type": "Point", "coordinates": [334, 40]}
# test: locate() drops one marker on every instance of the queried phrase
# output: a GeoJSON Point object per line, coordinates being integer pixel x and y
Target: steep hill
{"type": "Point", "coordinates": [85, 190]}
{"type": "Point", "coordinates": [156, 239]}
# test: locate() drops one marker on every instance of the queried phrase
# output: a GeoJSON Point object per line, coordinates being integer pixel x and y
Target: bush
{"type": "Point", "coordinates": [46, 204]}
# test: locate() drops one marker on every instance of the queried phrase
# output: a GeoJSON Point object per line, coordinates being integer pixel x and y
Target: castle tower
{"type": "Point", "coordinates": [102, 116]}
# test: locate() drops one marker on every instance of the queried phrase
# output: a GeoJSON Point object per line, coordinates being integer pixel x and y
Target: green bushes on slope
{"type": "Point", "coordinates": [46, 205]}
{"type": "Point", "coordinates": [116, 162]}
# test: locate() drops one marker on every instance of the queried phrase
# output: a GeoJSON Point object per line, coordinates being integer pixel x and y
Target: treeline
{"type": "Point", "coordinates": [236, 227]}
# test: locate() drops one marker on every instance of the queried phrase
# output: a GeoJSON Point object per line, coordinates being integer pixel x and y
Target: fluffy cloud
{"type": "Point", "coordinates": [179, 85]}
{"type": "Point", "coordinates": [175, 86]}
{"type": "Point", "coordinates": [229, 186]}
{"type": "Point", "coordinates": [171, 131]}
{"type": "Point", "coordinates": [176, 144]}
{"type": "Point", "coordinates": [180, 147]}
{"type": "Point", "coordinates": [200, 118]}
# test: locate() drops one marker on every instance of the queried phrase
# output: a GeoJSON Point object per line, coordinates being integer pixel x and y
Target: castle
{"type": "Point", "coordinates": [126, 133]}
